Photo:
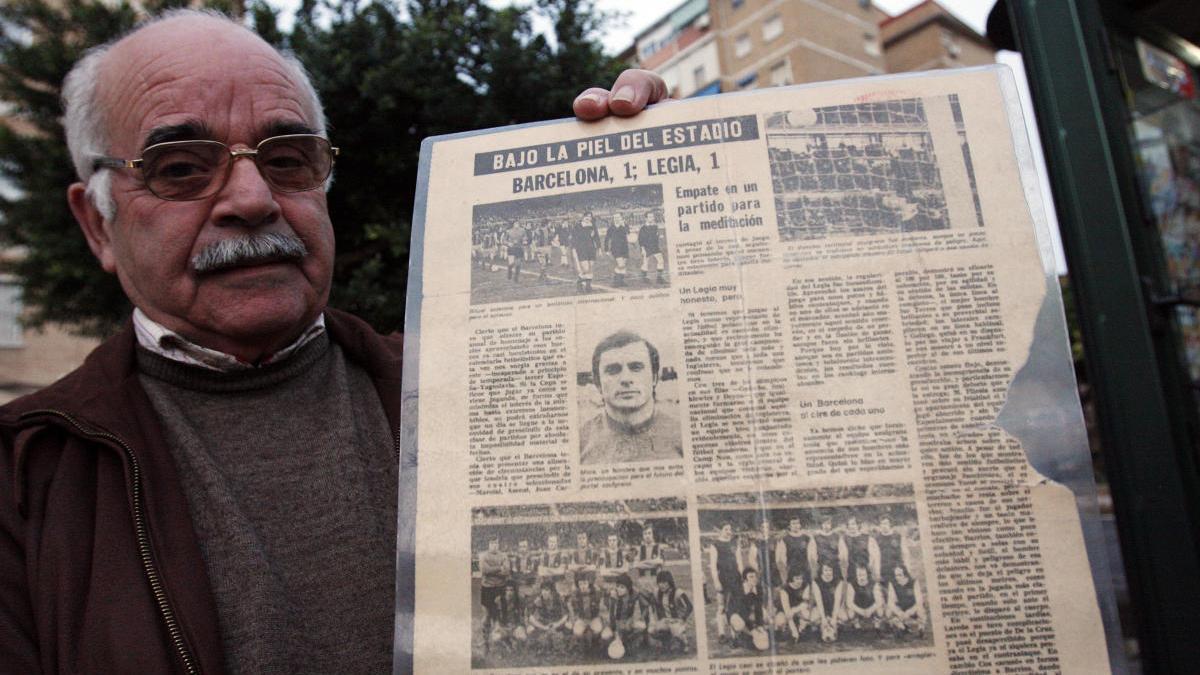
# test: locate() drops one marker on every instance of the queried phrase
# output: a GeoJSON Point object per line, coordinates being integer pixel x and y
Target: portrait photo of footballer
{"type": "Point", "coordinates": [786, 574]}
{"type": "Point", "coordinates": [597, 241]}
{"type": "Point", "coordinates": [627, 390]}
{"type": "Point", "coordinates": [581, 583]}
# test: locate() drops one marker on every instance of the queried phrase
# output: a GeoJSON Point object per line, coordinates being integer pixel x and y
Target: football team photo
{"type": "Point", "coordinates": [787, 574]}
{"type": "Point", "coordinates": [581, 583]}
{"type": "Point", "coordinates": [598, 241]}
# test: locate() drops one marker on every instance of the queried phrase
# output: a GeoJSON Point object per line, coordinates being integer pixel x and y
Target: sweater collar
{"type": "Point", "coordinates": [158, 339]}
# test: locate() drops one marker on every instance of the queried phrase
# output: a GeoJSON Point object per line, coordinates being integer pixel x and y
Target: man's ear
{"type": "Point", "coordinates": [93, 224]}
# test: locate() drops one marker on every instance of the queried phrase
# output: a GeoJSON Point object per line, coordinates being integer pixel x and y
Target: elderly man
{"type": "Point", "coordinates": [215, 488]}
{"type": "Point", "coordinates": [625, 369]}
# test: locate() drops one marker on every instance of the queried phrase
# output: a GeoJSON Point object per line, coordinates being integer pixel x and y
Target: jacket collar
{"type": "Point", "coordinates": [99, 391]}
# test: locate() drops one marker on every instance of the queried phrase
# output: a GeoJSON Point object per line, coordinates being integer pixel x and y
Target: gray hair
{"type": "Point", "coordinates": [84, 121]}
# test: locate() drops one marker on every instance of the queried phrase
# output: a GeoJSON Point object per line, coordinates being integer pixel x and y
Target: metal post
{"type": "Point", "coordinates": [1145, 420]}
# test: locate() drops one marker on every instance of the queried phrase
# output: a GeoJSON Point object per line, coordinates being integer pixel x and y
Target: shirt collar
{"type": "Point", "coordinates": [157, 339]}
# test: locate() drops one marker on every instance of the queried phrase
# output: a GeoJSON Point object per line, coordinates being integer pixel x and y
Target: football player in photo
{"type": "Point", "coordinates": [905, 606]}
{"type": "Point", "coordinates": [794, 604]}
{"type": "Point", "coordinates": [671, 610]}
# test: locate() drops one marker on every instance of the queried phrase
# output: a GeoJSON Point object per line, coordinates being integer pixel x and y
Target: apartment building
{"type": "Point", "coordinates": [928, 37]}
{"type": "Point", "coordinates": [776, 42]}
{"type": "Point", "coordinates": [681, 47]}
{"type": "Point", "coordinates": [709, 46]}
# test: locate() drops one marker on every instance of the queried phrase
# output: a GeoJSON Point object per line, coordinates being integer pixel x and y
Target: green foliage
{"type": "Point", "coordinates": [389, 75]}
{"type": "Point", "coordinates": [38, 45]}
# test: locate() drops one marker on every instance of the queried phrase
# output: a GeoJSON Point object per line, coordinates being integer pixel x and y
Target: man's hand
{"type": "Point", "coordinates": [633, 91]}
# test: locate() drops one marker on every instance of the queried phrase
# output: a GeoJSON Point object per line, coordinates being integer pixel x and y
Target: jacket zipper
{"type": "Point", "coordinates": [142, 532]}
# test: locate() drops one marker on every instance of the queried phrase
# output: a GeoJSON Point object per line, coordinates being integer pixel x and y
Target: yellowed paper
{"type": "Point", "coordinates": [757, 343]}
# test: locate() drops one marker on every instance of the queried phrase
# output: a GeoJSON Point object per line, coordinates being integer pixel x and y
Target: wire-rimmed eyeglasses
{"type": "Point", "coordinates": [196, 169]}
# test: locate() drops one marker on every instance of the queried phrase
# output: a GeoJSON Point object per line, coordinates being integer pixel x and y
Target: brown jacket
{"type": "Point", "coordinates": [100, 570]}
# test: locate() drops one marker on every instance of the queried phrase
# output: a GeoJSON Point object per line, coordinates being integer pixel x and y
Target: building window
{"type": "Point", "coordinates": [951, 45]}
{"type": "Point", "coordinates": [871, 44]}
{"type": "Point", "coordinates": [10, 315]}
{"type": "Point", "coordinates": [742, 46]}
{"type": "Point", "coordinates": [772, 28]}
{"type": "Point", "coordinates": [781, 74]}
{"type": "Point", "coordinates": [700, 76]}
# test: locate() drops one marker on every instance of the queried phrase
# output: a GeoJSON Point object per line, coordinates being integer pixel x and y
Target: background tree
{"type": "Point", "coordinates": [389, 75]}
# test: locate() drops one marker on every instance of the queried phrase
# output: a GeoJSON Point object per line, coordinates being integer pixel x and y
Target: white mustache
{"type": "Point", "coordinates": [249, 250]}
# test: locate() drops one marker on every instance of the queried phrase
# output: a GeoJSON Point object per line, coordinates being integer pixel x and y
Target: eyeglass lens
{"type": "Point", "coordinates": [196, 169]}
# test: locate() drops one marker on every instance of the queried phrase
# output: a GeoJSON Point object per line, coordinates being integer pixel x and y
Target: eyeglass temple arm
{"type": "Point", "coordinates": [115, 163]}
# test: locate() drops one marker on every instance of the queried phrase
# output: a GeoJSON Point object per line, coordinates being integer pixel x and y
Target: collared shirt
{"type": "Point", "coordinates": [158, 339]}
{"type": "Point", "coordinates": [604, 440]}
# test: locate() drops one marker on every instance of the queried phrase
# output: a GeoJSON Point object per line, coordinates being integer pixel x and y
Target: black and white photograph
{"type": "Point", "coordinates": [805, 571]}
{"type": "Point", "coordinates": [860, 169]}
{"type": "Point", "coordinates": [598, 241]}
{"type": "Point", "coordinates": [628, 392]}
{"type": "Point", "coordinates": [581, 583]}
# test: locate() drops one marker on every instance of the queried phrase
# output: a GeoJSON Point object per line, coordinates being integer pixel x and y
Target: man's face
{"type": "Point", "coordinates": [523, 547]}
{"type": "Point", "coordinates": [827, 525]}
{"type": "Point", "coordinates": [794, 526]}
{"type": "Point", "coordinates": [648, 535]}
{"type": "Point", "coordinates": [626, 379]}
{"type": "Point", "coordinates": [751, 579]}
{"type": "Point", "coordinates": [493, 545]}
{"type": "Point", "coordinates": [195, 78]}
{"type": "Point", "coordinates": [552, 542]}
{"type": "Point", "coordinates": [581, 540]}
{"type": "Point", "coordinates": [618, 220]}
{"type": "Point", "coordinates": [852, 526]}
{"type": "Point", "coordinates": [726, 532]}
{"type": "Point", "coordinates": [612, 541]}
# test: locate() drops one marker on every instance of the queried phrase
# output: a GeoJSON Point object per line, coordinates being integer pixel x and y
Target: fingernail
{"type": "Point", "coordinates": [624, 94]}
{"type": "Point", "coordinates": [594, 98]}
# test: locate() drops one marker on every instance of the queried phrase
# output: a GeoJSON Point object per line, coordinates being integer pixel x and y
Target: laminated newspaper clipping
{"type": "Point", "coordinates": [715, 390]}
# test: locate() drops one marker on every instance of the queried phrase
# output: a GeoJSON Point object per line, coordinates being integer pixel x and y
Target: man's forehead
{"type": "Point", "coordinates": [634, 351]}
{"type": "Point", "coordinates": [197, 73]}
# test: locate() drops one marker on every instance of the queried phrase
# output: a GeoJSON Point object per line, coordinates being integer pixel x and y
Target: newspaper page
{"type": "Point", "coordinates": [716, 390]}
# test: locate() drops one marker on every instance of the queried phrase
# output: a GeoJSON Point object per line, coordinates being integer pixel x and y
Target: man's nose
{"type": "Point", "coordinates": [246, 199]}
